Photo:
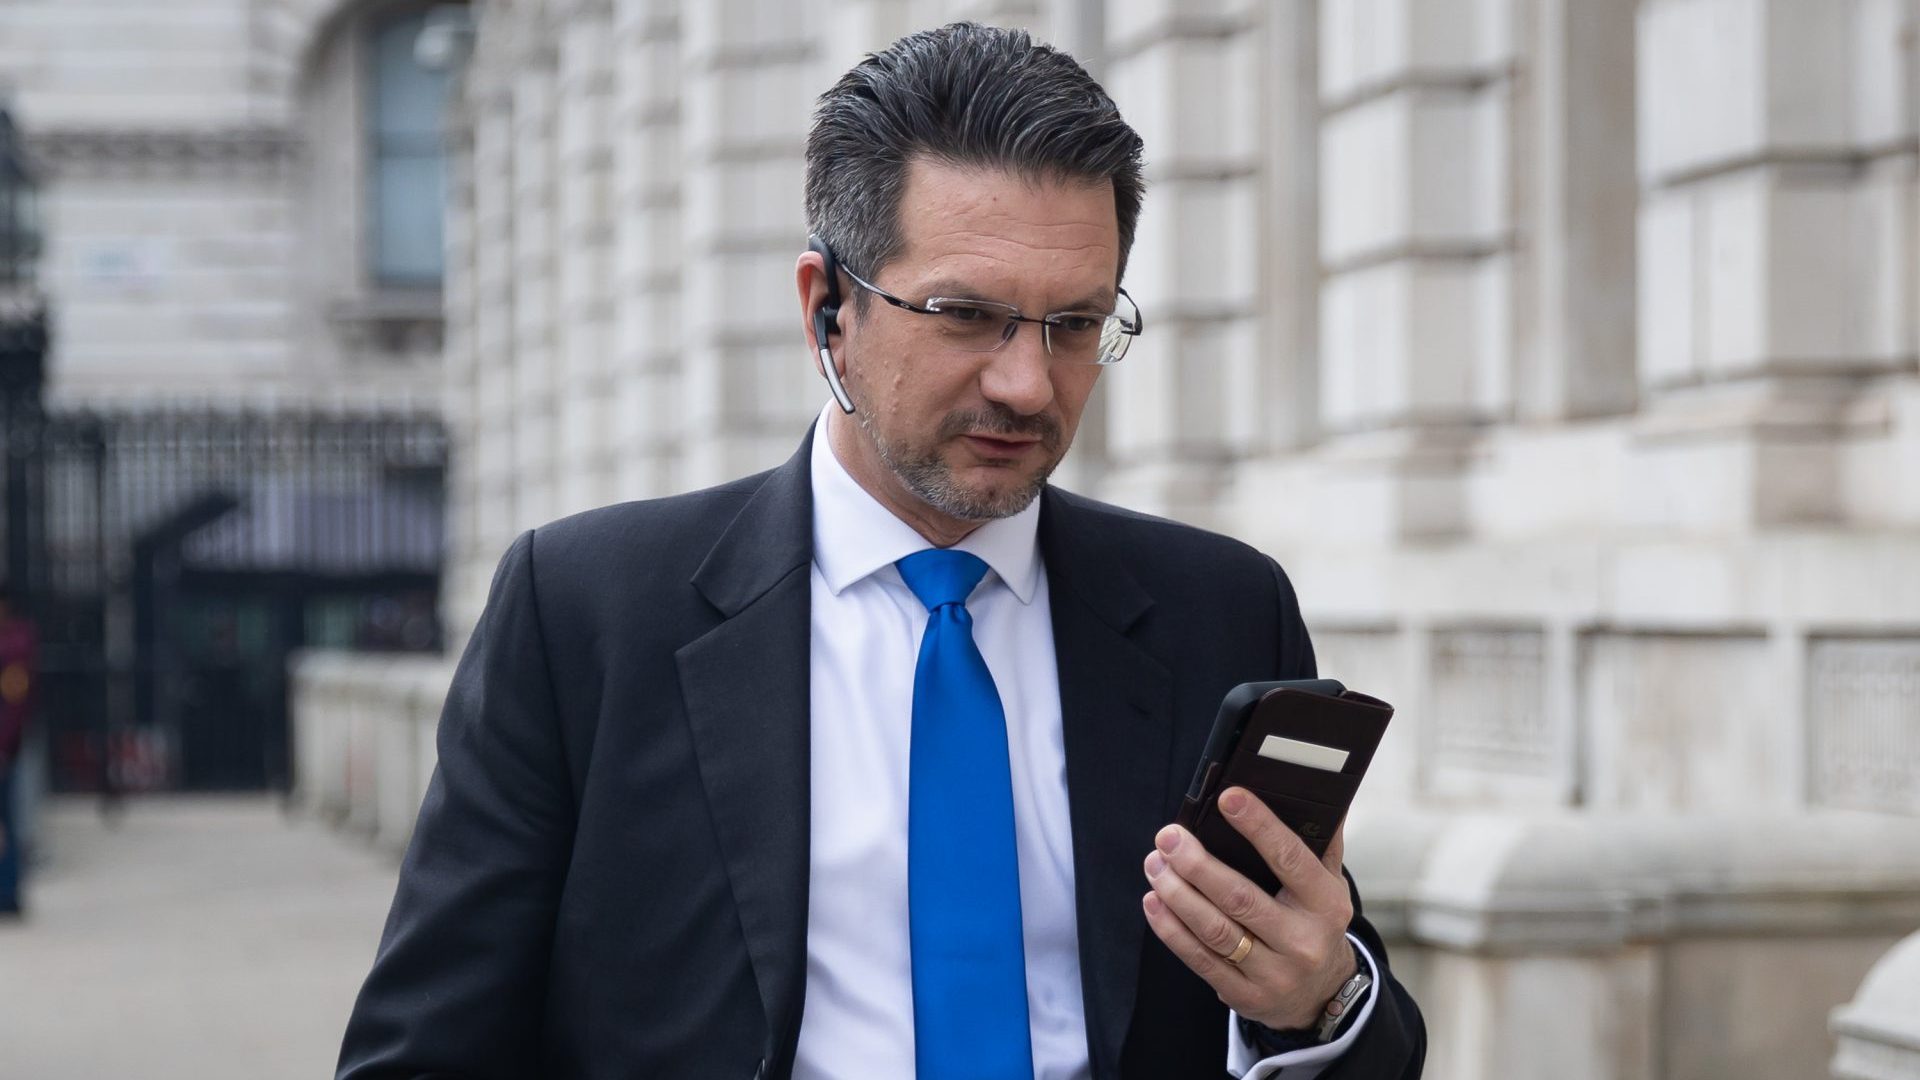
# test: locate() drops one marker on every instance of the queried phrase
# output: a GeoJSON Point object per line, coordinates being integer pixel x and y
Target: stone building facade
{"type": "Point", "coordinates": [205, 200]}
{"type": "Point", "coordinates": [1567, 353]}
{"type": "Point", "coordinates": [242, 209]}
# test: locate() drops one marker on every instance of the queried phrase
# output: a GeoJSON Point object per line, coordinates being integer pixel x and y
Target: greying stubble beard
{"type": "Point", "coordinates": [932, 480]}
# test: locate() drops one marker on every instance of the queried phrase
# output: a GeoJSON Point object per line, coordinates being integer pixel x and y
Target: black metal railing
{"type": "Point", "coordinates": [180, 553]}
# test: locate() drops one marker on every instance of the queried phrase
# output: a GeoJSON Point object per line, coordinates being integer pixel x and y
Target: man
{"type": "Point", "coordinates": [862, 767]}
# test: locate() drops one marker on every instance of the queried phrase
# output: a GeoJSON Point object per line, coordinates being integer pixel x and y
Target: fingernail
{"type": "Point", "coordinates": [1155, 864]}
{"type": "Point", "coordinates": [1169, 839]}
{"type": "Point", "coordinates": [1152, 903]}
{"type": "Point", "coordinates": [1233, 802]}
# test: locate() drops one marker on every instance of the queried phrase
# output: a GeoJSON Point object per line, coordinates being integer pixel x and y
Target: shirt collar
{"type": "Point", "coordinates": [854, 536]}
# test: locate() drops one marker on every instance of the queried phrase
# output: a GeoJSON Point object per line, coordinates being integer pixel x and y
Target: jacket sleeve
{"type": "Point", "coordinates": [458, 986]}
{"type": "Point", "coordinates": [1393, 1045]}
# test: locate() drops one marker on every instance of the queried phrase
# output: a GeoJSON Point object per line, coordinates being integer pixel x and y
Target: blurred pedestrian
{"type": "Point", "coordinates": [19, 691]}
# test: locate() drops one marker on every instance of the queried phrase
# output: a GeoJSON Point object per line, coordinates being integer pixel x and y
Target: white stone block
{"type": "Point", "coordinates": [1363, 334]}
{"type": "Point", "coordinates": [1418, 168]}
{"type": "Point", "coordinates": [1492, 311]}
{"type": "Point", "coordinates": [1197, 248]}
{"type": "Point", "coordinates": [1572, 1018]}
{"type": "Point", "coordinates": [650, 72]}
{"type": "Point", "coordinates": [1700, 80]}
{"type": "Point", "coordinates": [534, 500]}
{"type": "Point", "coordinates": [1685, 488]}
{"type": "Point", "coordinates": [1885, 69]}
{"type": "Point", "coordinates": [1375, 662]}
{"type": "Point", "coordinates": [1651, 745]}
{"type": "Point", "coordinates": [774, 384]}
{"type": "Point", "coordinates": [1883, 263]}
{"type": "Point", "coordinates": [1725, 80]}
{"type": "Point", "coordinates": [1734, 1015]}
{"type": "Point", "coordinates": [533, 444]}
{"type": "Point", "coordinates": [751, 201]}
{"type": "Point", "coordinates": [741, 24]}
{"type": "Point", "coordinates": [1404, 341]}
{"type": "Point", "coordinates": [1368, 42]}
{"type": "Point", "coordinates": [1668, 288]}
{"type": "Point", "coordinates": [1195, 101]}
{"type": "Point", "coordinates": [748, 106]}
{"type": "Point", "coordinates": [1210, 414]}
{"type": "Point", "coordinates": [1809, 55]}
{"type": "Point", "coordinates": [1141, 424]}
{"type": "Point", "coordinates": [1814, 275]}
{"type": "Point", "coordinates": [582, 427]}
{"type": "Point", "coordinates": [1129, 23]}
{"type": "Point", "coordinates": [586, 53]}
{"type": "Point", "coordinates": [1737, 245]}
{"type": "Point", "coordinates": [1787, 270]}
{"type": "Point", "coordinates": [1366, 177]}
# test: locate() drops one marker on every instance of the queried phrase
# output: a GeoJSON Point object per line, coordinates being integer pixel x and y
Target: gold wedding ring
{"type": "Point", "coordinates": [1241, 950]}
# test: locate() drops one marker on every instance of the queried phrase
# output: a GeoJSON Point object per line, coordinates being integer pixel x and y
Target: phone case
{"type": "Point", "coordinates": [1321, 713]}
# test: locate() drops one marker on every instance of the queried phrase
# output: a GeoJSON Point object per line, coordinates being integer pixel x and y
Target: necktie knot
{"type": "Point", "coordinates": [941, 576]}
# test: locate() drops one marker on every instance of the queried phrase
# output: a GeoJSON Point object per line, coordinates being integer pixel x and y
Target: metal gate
{"type": "Point", "coordinates": [183, 552]}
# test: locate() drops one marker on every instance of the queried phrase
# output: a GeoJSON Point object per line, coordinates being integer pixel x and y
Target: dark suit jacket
{"type": "Point", "coordinates": [609, 874]}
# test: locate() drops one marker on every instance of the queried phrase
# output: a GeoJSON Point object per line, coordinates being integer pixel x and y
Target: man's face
{"type": "Point", "coordinates": [949, 439]}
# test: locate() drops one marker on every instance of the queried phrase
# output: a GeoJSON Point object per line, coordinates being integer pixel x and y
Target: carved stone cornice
{"type": "Point", "coordinates": [221, 153]}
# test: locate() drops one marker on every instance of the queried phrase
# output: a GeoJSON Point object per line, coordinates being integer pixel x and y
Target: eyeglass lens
{"type": "Point", "coordinates": [1076, 338]}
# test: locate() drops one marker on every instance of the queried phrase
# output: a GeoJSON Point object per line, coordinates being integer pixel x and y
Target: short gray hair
{"type": "Point", "coordinates": [968, 95]}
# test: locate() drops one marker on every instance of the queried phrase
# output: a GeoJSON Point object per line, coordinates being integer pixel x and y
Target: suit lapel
{"type": "Point", "coordinates": [1116, 709]}
{"type": "Point", "coordinates": [746, 688]}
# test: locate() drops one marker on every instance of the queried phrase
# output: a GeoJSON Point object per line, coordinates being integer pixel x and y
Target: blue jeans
{"type": "Point", "coordinates": [10, 858]}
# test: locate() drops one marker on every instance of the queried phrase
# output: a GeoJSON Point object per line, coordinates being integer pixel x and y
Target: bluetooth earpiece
{"type": "Point", "coordinates": [824, 319]}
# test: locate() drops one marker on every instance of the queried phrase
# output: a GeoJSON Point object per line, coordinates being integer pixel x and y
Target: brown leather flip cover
{"type": "Point", "coordinates": [1312, 802]}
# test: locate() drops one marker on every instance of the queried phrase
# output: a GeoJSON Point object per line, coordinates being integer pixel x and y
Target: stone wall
{"type": "Point", "coordinates": [1566, 353]}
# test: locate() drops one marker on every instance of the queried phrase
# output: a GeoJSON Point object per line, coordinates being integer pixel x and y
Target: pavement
{"type": "Point", "coordinates": [196, 937]}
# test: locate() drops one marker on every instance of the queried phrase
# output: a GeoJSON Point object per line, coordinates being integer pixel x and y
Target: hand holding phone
{"type": "Point", "coordinates": [1301, 746]}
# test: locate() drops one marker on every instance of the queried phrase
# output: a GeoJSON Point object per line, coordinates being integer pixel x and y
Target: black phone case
{"type": "Point", "coordinates": [1312, 802]}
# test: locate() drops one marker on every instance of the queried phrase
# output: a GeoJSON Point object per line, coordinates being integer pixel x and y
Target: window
{"type": "Point", "coordinates": [407, 158]}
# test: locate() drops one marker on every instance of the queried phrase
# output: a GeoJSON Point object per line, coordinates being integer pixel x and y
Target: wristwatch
{"type": "Point", "coordinates": [1342, 1003]}
{"type": "Point", "coordinates": [1270, 1041]}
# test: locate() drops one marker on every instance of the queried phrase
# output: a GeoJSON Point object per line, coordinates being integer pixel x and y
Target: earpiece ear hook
{"type": "Point", "coordinates": [824, 319]}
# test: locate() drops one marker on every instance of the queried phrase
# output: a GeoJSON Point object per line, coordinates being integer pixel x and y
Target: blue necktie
{"type": "Point", "coordinates": [963, 876]}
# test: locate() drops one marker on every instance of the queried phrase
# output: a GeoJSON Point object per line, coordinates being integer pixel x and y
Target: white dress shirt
{"type": "Point", "coordinates": [866, 629]}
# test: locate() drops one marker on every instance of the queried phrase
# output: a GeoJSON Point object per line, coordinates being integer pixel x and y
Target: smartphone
{"type": "Point", "coordinates": [1301, 746]}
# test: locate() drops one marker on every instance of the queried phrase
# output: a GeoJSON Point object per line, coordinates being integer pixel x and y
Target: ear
{"type": "Point", "coordinates": [818, 281]}
{"type": "Point", "coordinates": [817, 291]}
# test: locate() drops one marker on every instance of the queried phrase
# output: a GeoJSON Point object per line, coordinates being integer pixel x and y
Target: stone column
{"type": "Point", "coordinates": [1777, 251]}
{"type": "Point", "coordinates": [534, 232]}
{"type": "Point", "coordinates": [487, 434]}
{"type": "Point", "coordinates": [1183, 80]}
{"type": "Point", "coordinates": [1416, 249]}
{"type": "Point", "coordinates": [649, 249]}
{"type": "Point", "coordinates": [461, 594]}
{"type": "Point", "coordinates": [747, 389]}
{"type": "Point", "coordinates": [584, 364]}
{"type": "Point", "coordinates": [1276, 401]}
{"type": "Point", "coordinates": [1575, 208]}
